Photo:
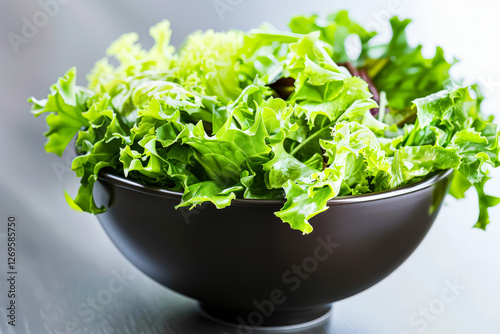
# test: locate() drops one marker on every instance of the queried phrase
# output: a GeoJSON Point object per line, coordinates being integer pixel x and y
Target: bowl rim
{"type": "Point", "coordinates": [123, 182]}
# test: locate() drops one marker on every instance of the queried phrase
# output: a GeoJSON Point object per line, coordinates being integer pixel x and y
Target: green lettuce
{"type": "Point", "coordinates": [269, 114]}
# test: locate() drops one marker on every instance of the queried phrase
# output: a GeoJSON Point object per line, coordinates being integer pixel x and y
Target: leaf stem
{"type": "Point", "coordinates": [314, 135]}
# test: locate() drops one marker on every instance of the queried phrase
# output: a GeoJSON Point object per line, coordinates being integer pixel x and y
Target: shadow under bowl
{"type": "Point", "coordinates": [246, 267]}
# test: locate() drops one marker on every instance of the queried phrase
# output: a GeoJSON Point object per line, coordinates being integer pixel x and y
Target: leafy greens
{"type": "Point", "coordinates": [268, 114]}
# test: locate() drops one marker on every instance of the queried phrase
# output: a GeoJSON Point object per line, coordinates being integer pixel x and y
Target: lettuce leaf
{"type": "Point", "coordinates": [65, 105]}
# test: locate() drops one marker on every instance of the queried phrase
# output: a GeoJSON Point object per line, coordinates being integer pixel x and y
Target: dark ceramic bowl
{"type": "Point", "coordinates": [246, 267]}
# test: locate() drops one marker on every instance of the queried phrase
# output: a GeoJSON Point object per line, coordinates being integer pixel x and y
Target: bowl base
{"type": "Point", "coordinates": [281, 320]}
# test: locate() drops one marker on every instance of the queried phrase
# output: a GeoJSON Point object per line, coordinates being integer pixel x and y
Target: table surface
{"type": "Point", "coordinates": [66, 262]}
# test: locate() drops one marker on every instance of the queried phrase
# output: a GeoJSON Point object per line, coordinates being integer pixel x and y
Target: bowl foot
{"type": "Point", "coordinates": [246, 320]}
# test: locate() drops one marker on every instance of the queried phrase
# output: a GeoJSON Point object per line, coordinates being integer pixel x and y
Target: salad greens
{"type": "Point", "coordinates": [268, 114]}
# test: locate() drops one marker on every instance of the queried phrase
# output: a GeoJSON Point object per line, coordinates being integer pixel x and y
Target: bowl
{"type": "Point", "coordinates": [245, 267]}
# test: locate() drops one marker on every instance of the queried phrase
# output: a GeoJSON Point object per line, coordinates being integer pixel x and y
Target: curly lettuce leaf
{"type": "Point", "coordinates": [208, 191]}
{"type": "Point", "coordinates": [454, 115]}
{"type": "Point", "coordinates": [356, 164]}
{"type": "Point", "coordinates": [208, 61]}
{"type": "Point", "coordinates": [65, 106]}
{"type": "Point", "coordinates": [302, 206]}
